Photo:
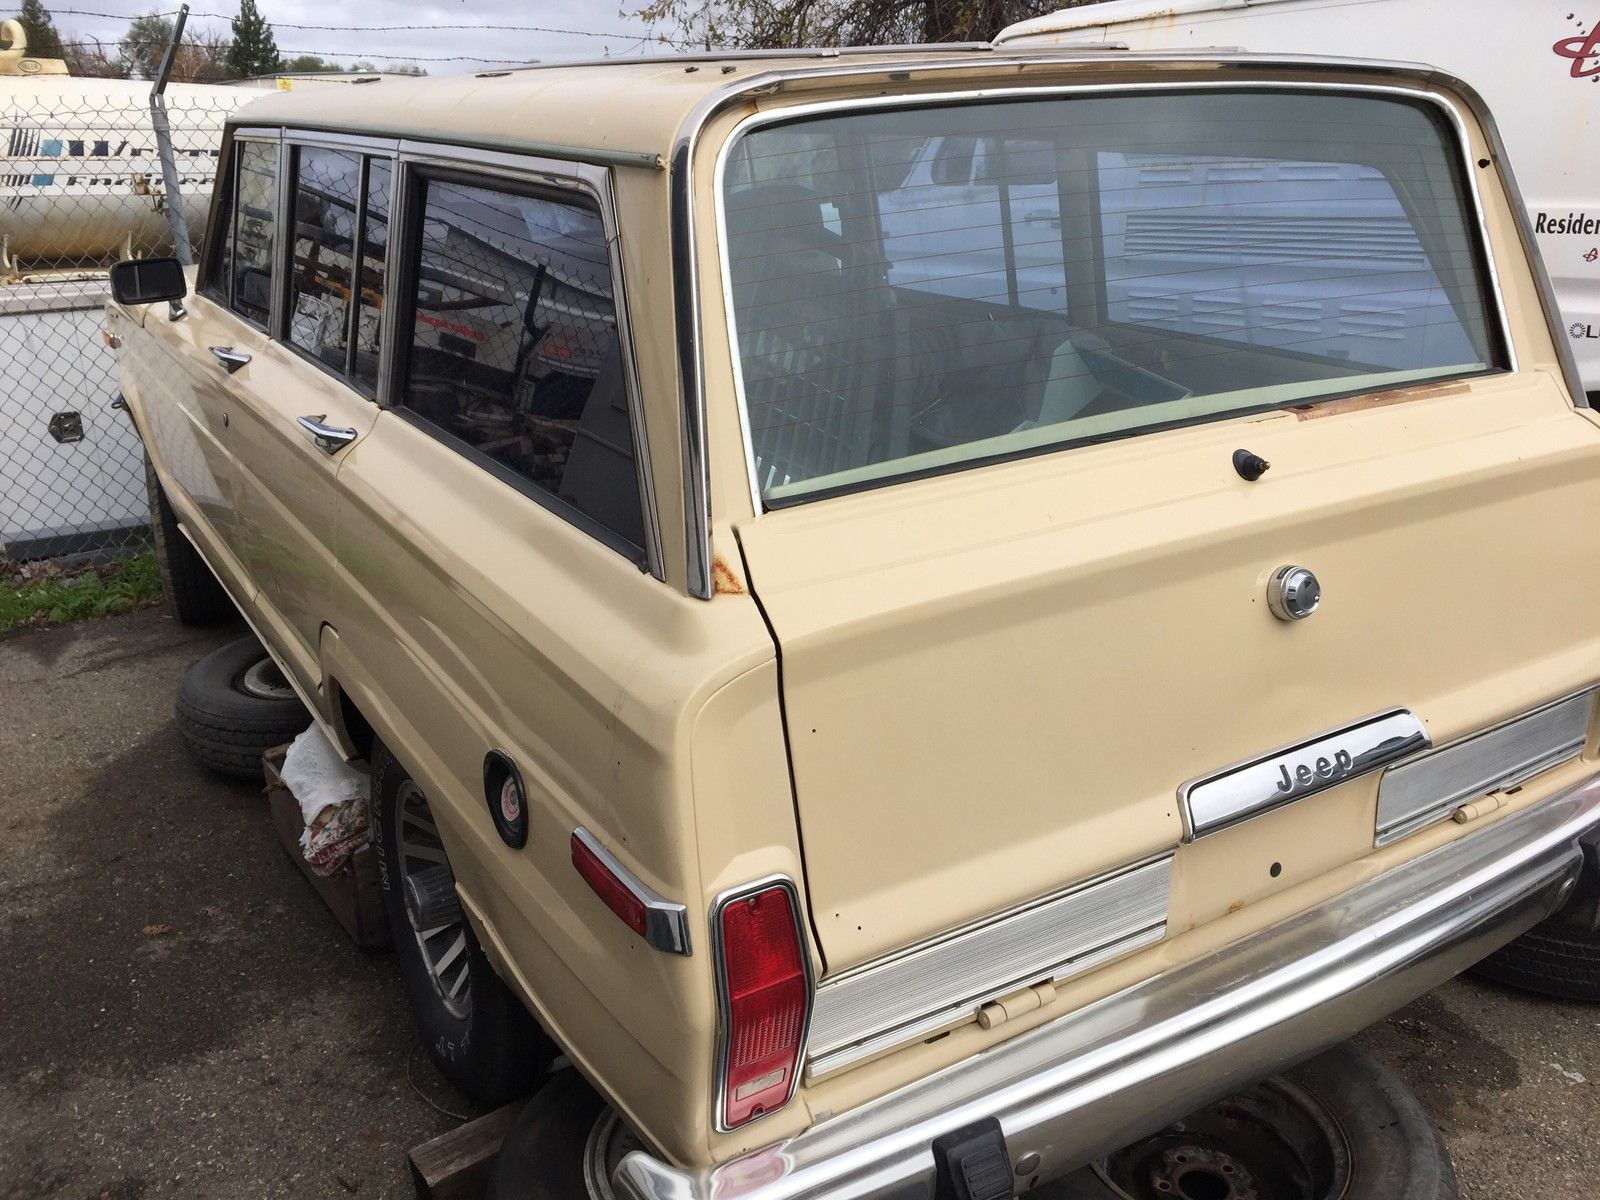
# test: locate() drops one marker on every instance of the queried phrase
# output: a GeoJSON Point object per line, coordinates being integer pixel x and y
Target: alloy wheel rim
{"type": "Point", "coordinates": [443, 946]}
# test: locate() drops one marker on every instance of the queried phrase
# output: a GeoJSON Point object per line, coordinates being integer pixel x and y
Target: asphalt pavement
{"type": "Point", "coordinates": [181, 1017]}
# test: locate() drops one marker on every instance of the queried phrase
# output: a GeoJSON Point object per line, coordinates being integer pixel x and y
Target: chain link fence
{"type": "Point", "coordinates": [81, 186]}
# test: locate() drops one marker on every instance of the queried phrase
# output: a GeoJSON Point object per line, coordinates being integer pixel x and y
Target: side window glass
{"type": "Point", "coordinates": [327, 198]}
{"type": "Point", "coordinates": [370, 287]}
{"type": "Point", "coordinates": [514, 351]}
{"type": "Point", "coordinates": [255, 220]}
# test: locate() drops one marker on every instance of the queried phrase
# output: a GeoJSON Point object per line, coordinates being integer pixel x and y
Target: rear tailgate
{"type": "Point", "coordinates": [996, 682]}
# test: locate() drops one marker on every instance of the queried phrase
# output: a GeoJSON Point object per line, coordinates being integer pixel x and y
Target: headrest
{"type": "Point", "coordinates": [785, 215]}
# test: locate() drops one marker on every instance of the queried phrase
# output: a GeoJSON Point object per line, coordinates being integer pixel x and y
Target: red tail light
{"type": "Point", "coordinates": [766, 993]}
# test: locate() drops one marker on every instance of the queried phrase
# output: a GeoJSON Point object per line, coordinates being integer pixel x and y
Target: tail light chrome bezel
{"type": "Point", "coordinates": [724, 1000]}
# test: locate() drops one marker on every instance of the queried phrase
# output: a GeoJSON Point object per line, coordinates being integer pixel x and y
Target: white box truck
{"type": "Point", "coordinates": [1536, 63]}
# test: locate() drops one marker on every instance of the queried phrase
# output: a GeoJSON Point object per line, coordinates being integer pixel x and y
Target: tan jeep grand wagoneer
{"type": "Point", "coordinates": [898, 593]}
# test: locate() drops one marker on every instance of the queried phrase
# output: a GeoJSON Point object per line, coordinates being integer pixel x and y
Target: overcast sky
{"type": "Point", "coordinates": [621, 35]}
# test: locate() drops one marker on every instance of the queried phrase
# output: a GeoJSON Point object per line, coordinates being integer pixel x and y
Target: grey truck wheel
{"type": "Point", "coordinates": [192, 591]}
{"type": "Point", "coordinates": [1338, 1127]}
{"type": "Point", "coordinates": [234, 705]}
{"type": "Point", "coordinates": [478, 1034]}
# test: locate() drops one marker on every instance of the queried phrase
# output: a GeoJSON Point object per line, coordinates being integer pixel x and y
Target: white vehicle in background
{"type": "Point", "coordinates": [1536, 64]}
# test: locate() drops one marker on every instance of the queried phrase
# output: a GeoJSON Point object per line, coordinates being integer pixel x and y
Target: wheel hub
{"type": "Point", "coordinates": [1272, 1141]}
{"type": "Point", "coordinates": [1189, 1172]}
{"type": "Point", "coordinates": [264, 681]}
{"type": "Point", "coordinates": [430, 898]}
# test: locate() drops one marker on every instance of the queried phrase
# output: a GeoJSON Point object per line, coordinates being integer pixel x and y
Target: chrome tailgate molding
{"type": "Point", "coordinates": [1428, 789]}
{"type": "Point", "coordinates": [885, 1003]}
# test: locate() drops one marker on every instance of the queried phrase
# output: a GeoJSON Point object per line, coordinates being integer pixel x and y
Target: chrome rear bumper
{"type": "Point", "coordinates": [1118, 1069]}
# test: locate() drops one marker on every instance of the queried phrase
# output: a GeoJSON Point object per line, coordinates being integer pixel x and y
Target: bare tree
{"type": "Point", "coordinates": [202, 58]}
{"type": "Point", "coordinates": [90, 58]}
{"type": "Point", "coordinates": [784, 24]}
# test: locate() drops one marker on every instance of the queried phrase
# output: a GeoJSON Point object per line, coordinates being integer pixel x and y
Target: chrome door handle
{"type": "Point", "coordinates": [230, 358]}
{"type": "Point", "coordinates": [331, 438]}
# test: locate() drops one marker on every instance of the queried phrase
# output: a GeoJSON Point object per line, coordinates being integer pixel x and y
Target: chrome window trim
{"type": "Point", "coordinates": [1496, 317]}
{"type": "Point", "coordinates": [1236, 793]}
{"type": "Point", "coordinates": [719, 1060]}
{"type": "Point", "coordinates": [1500, 775]}
{"type": "Point", "coordinates": [666, 922]}
{"type": "Point", "coordinates": [946, 979]}
{"type": "Point", "coordinates": [353, 142]}
{"type": "Point", "coordinates": [591, 182]}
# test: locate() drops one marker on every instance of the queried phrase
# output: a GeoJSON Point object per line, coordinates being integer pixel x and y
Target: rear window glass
{"type": "Point", "coordinates": [920, 289]}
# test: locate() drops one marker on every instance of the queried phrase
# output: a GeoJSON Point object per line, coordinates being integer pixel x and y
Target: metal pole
{"type": "Point", "coordinates": [169, 163]}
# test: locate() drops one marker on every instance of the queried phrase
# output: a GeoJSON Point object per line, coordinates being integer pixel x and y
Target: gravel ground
{"type": "Point", "coordinates": [180, 1016]}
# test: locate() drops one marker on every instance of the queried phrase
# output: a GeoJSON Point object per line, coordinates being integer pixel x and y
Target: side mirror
{"type": "Point", "coordinates": [146, 280]}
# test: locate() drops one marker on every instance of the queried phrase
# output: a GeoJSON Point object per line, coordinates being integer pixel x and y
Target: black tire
{"type": "Point", "coordinates": [1553, 958]}
{"type": "Point", "coordinates": [231, 709]}
{"type": "Point", "coordinates": [491, 1049]}
{"type": "Point", "coordinates": [542, 1156]}
{"type": "Point", "coordinates": [192, 591]}
{"type": "Point", "coordinates": [1379, 1130]}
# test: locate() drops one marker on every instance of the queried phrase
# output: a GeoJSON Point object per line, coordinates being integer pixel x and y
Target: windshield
{"type": "Point", "coordinates": [915, 290]}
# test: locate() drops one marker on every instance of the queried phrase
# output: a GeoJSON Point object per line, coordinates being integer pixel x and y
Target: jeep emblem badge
{"type": "Point", "coordinates": [1293, 593]}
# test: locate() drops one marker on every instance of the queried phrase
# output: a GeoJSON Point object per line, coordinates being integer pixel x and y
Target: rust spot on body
{"type": "Point", "coordinates": [723, 581]}
{"type": "Point", "coordinates": [1235, 907]}
{"type": "Point", "coordinates": [1332, 408]}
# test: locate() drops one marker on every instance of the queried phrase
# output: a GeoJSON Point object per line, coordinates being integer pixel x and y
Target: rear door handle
{"type": "Point", "coordinates": [230, 358]}
{"type": "Point", "coordinates": [331, 438]}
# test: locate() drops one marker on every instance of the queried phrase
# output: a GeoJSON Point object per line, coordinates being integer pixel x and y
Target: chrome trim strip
{"type": "Point", "coordinates": [299, 135]}
{"type": "Point", "coordinates": [1432, 786]}
{"type": "Point", "coordinates": [376, 131]}
{"type": "Point", "coordinates": [666, 923]}
{"type": "Point", "coordinates": [886, 1003]}
{"type": "Point", "coordinates": [1120, 1068]}
{"type": "Point", "coordinates": [719, 960]}
{"type": "Point", "coordinates": [686, 301]}
{"type": "Point", "coordinates": [771, 81]}
{"type": "Point", "coordinates": [1300, 769]}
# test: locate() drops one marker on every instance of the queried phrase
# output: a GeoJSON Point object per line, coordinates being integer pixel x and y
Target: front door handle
{"type": "Point", "coordinates": [331, 438]}
{"type": "Point", "coordinates": [230, 358]}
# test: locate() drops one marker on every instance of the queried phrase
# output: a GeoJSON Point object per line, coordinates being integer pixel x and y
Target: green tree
{"type": "Point", "coordinates": [305, 64]}
{"type": "Point", "coordinates": [785, 24]}
{"type": "Point", "coordinates": [254, 50]}
{"type": "Point", "coordinates": [141, 48]}
{"type": "Point", "coordinates": [43, 41]}
{"type": "Point", "coordinates": [405, 68]}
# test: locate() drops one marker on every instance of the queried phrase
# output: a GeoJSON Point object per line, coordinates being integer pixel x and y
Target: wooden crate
{"type": "Point", "coordinates": [352, 893]}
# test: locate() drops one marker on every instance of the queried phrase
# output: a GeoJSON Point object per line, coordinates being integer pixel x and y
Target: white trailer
{"type": "Point", "coordinates": [1536, 63]}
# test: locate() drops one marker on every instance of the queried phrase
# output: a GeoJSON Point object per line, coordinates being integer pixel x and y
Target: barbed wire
{"type": "Point", "coordinates": [81, 12]}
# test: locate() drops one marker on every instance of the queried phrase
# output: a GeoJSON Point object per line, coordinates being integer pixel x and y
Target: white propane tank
{"type": "Point", "coordinates": [80, 177]}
